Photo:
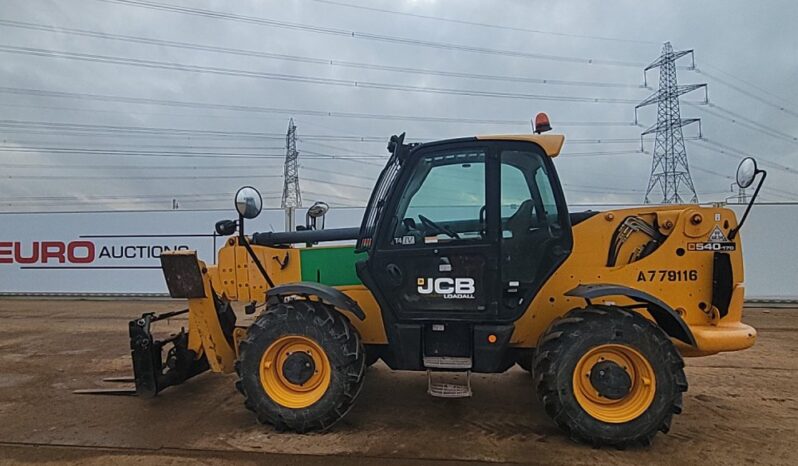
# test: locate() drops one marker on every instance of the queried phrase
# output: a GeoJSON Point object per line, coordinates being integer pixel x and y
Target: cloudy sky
{"type": "Point", "coordinates": [128, 104]}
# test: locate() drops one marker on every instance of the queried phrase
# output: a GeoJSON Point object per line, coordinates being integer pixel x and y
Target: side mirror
{"type": "Point", "coordinates": [746, 172]}
{"type": "Point", "coordinates": [249, 203]}
{"type": "Point", "coordinates": [317, 210]}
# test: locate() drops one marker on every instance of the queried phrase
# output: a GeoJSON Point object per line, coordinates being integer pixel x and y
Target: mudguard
{"type": "Point", "coordinates": [325, 293]}
{"type": "Point", "coordinates": [668, 319]}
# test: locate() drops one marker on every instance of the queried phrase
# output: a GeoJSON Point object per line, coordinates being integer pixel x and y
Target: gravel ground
{"type": "Point", "coordinates": [741, 407]}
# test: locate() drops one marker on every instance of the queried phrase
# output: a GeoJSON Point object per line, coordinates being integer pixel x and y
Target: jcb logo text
{"type": "Point", "coordinates": [448, 288]}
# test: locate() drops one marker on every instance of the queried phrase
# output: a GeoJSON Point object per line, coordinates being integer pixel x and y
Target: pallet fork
{"type": "Point", "coordinates": [151, 373]}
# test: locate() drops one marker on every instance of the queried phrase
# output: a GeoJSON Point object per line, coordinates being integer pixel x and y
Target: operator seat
{"type": "Point", "coordinates": [521, 221]}
{"type": "Point", "coordinates": [523, 252]}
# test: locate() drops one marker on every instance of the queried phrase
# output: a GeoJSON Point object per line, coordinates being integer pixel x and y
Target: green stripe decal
{"type": "Point", "coordinates": [330, 266]}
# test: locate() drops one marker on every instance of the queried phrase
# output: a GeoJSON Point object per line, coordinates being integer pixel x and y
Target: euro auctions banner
{"type": "Point", "coordinates": [103, 253]}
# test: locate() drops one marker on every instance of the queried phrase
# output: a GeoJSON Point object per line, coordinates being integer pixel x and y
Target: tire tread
{"type": "Point", "coordinates": [335, 327]}
{"type": "Point", "coordinates": [555, 342]}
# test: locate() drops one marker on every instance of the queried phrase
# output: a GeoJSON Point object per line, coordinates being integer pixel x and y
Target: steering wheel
{"type": "Point", "coordinates": [429, 223]}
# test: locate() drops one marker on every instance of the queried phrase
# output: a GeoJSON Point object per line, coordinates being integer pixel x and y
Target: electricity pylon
{"type": "Point", "coordinates": [670, 172]}
{"type": "Point", "coordinates": [292, 197]}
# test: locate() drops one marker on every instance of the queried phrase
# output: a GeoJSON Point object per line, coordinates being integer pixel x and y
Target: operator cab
{"type": "Point", "coordinates": [460, 236]}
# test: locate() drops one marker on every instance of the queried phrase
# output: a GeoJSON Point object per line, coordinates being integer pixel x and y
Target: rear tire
{"type": "Point", "coordinates": [640, 393]}
{"type": "Point", "coordinates": [301, 366]}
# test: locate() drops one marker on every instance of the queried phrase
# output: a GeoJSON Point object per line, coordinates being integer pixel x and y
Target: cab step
{"type": "Point", "coordinates": [450, 388]}
{"type": "Point", "coordinates": [448, 363]}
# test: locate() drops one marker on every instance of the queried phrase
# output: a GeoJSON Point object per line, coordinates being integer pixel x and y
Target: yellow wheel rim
{"type": "Point", "coordinates": [628, 407]}
{"type": "Point", "coordinates": [279, 387]}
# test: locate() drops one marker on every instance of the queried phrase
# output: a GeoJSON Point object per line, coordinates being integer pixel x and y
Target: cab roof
{"type": "Point", "coordinates": [551, 143]}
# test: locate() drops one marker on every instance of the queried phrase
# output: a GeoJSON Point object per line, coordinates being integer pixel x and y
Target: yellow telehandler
{"type": "Point", "coordinates": [467, 260]}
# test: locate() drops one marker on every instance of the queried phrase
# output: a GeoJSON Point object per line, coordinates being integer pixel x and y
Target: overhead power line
{"type": "Point", "coordinates": [741, 120]}
{"type": "Point", "coordinates": [779, 105]}
{"type": "Point", "coordinates": [133, 111]}
{"type": "Point", "coordinates": [93, 198]}
{"type": "Point", "coordinates": [144, 153]}
{"type": "Point", "coordinates": [54, 200]}
{"type": "Point", "coordinates": [747, 92]}
{"type": "Point", "coordinates": [187, 146]}
{"type": "Point", "coordinates": [310, 60]}
{"type": "Point", "coordinates": [277, 110]}
{"type": "Point", "coordinates": [363, 160]}
{"type": "Point", "coordinates": [333, 147]}
{"type": "Point", "coordinates": [326, 170]}
{"type": "Point", "coordinates": [192, 132]}
{"type": "Point", "coordinates": [327, 181]}
{"type": "Point", "coordinates": [571, 155]}
{"type": "Point", "coordinates": [14, 124]}
{"type": "Point", "coordinates": [736, 77]}
{"type": "Point", "coordinates": [76, 204]}
{"type": "Point", "coordinates": [132, 153]}
{"type": "Point", "coordinates": [215, 14]}
{"type": "Point", "coordinates": [599, 190]}
{"type": "Point", "coordinates": [484, 25]}
{"type": "Point", "coordinates": [373, 85]}
{"type": "Point", "coordinates": [738, 154]}
{"type": "Point", "coordinates": [773, 191]}
{"type": "Point", "coordinates": [127, 177]}
{"type": "Point", "coordinates": [82, 167]}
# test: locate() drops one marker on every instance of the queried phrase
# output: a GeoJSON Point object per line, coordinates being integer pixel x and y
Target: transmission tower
{"type": "Point", "coordinates": [742, 196]}
{"type": "Point", "coordinates": [292, 197]}
{"type": "Point", "coordinates": [670, 172]}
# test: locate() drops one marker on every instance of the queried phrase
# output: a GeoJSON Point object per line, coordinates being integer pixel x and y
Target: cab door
{"type": "Point", "coordinates": [436, 256]}
{"type": "Point", "coordinates": [535, 228]}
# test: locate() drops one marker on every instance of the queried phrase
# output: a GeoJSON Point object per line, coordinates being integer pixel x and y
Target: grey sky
{"type": "Point", "coordinates": [735, 41]}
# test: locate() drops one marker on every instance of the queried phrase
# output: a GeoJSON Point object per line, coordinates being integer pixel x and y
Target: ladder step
{"type": "Point", "coordinates": [447, 362]}
{"type": "Point", "coordinates": [449, 389]}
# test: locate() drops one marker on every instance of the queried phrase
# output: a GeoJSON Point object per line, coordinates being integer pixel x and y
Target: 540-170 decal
{"type": "Point", "coordinates": [724, 246]}
{"type": "Point", "coordinates": [667, 275]}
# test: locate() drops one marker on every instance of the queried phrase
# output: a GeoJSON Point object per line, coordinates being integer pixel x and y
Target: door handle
{"type": "Point", "coordinates": [394, 274]}
{"type": "Point", "coordinates": [444, 265]}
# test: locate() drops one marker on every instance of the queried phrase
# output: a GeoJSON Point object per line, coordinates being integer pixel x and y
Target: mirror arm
{"type": "Point", "coordinates": [242, 240]}
{"type": "Point", "coordinates": [733, 233]}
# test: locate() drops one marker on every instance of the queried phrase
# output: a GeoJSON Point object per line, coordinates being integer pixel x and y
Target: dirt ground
{"type": "Point", "coordinates": [741, 408]}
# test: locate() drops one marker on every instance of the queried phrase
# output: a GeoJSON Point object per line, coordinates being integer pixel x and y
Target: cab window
{"type": "Point", "coordinates": [527, 198]}
{"type": "Point", "coordinates": [528, 209]}
{"type": "Point", "coordinates": [444, 201]}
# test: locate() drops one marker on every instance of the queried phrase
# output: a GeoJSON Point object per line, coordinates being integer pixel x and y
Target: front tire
{"type": "Point", "coordinates": [301, 366]}
{"type": "Point", "coordinates": [607, 376]}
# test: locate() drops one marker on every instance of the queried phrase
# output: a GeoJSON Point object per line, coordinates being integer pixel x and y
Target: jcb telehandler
{"type": "Point", "coordinates": [467, 260]}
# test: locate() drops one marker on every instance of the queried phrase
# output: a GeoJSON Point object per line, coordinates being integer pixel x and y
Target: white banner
{"type": "Point", "coordinates": [116, 253]}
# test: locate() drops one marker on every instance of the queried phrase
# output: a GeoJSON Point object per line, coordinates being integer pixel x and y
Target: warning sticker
{"type": "Point", "coordinates": [717, 236]}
